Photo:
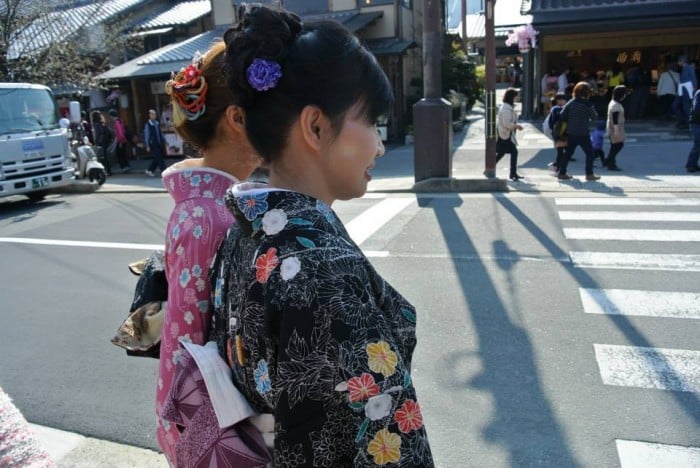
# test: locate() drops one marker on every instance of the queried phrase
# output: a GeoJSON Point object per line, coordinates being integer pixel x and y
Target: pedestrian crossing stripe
{"type": "Point", "coordinates": [636, 454]}
{"type": "Point", "coordinates": [635, 261]}
{"type": "Point", "coordinates": [70, 243]}
{"type": "Point", "coordinates": [371, 220]}
{"type": "Point", "coordinates": [640, 303]}
{"type": "Point", "coordinates": [644, 367]}
{"type": "Point", "coordinates": [619, 201]}
{"type": "Point", "coordinates": [655, 235]}
{"type": "Point", "coordinates": [676, 216]}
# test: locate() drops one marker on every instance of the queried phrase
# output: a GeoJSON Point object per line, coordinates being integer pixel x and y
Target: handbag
{"type": "Point", "coordinates": [140, 333]}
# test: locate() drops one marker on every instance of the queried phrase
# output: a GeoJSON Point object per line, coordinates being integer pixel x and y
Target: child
{"type": "Point", "coordinates": [597, 137]}
{"type": "Point", "coordinates": [558, 103]}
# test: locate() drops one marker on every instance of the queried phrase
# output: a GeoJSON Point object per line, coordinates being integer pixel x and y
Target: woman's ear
{"type": "Point", "coordinates": [235, 118]}
{"type": "Point", "coordinates": [313, 125]}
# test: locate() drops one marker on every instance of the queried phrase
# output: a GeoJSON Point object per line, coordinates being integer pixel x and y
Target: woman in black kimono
{"type": "Point", "coordinates": [313, 334]}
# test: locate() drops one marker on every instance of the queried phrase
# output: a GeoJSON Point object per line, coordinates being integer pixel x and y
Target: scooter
{"type": "Point", "coordinates": [86, 164]}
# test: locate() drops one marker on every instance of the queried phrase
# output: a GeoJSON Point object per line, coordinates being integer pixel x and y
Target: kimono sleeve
{"type": "Point", "coordinates": [345, 396]}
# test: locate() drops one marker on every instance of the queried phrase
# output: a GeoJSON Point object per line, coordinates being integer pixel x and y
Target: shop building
{"type": "Point", "coordinates": [603, 35]}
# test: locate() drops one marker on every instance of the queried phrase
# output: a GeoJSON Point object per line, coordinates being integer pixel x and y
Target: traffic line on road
{"type": "Point", "coordinates": [643, 367]}
{"type": "Point", "coordinates": [635, 454]}
{"type": "Point", "coordinates": [68, 243]}
{"type": "Point", "coordinates": [640, 303]}
{"type": "Point", "coordinates": [372, 219]}
{"type": "Point", "coordinates": [676, 216]}
{"type": "Point", "coordinates": [635, 261]}
{"type": "Point", "coordinates": [618, 201]}
{"type": "Point", "coordinates": [657, 235]}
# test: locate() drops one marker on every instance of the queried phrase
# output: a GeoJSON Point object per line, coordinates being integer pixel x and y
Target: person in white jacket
{"type": "Point", "coordinates": [507, 124]}
{"type": "Point", "coordinates": [666, 91]}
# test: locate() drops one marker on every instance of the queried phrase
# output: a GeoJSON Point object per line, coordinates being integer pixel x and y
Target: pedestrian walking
{"type": "Point", "coordinates": [597, 139]}
{"type": "Point", "coordinates": [120, 135]}
{"type": "Point", "coordinates": [616, 127]}
{"type": "Point", "coordinates": [154, 143]}
{"type": "Point", "coordinates": [666, 92]}
{"type": "Point", "coordinates": [578, 114]}
{"type": "Point", "coordinates": [550, 122]}
{"type": "Point", "coordinates": [314, 335]}
{"type": "Point", "coordinates": [203, 115]}
{"type": "Point", "coordinates": [687, 84]}
{"type": "Point", "coordinates": [692, 164]}
{"type": "Point", "coordinates": [507, 124]}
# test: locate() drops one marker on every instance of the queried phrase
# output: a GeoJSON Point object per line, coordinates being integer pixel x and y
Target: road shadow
{"type": "Point", "coordinates": [523, 421]}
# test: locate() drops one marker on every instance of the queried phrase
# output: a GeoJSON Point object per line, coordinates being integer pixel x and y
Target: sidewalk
{"type": "Point", "coordinates": [656, 167]}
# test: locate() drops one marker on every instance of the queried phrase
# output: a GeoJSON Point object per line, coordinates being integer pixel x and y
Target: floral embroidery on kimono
{"type": "Point", "coordinates": [315, 336]}
{"type": "Point", "coordinates": [196, 227]}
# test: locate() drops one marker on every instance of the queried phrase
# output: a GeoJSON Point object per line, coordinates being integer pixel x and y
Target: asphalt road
{"type": "Point", "coordinates": [509, 362]}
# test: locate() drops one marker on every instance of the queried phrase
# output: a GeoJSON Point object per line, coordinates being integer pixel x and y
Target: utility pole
{"type": "Point", "coordinates": [432, 115]}
{"type": "Point", "coordinates": [490, 91]}
{"type": "Point", "coordinates": [464, 24]}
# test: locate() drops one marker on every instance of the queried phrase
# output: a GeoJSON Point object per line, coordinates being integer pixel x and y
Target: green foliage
{"type": "Point", "coordinates": [459, 74]}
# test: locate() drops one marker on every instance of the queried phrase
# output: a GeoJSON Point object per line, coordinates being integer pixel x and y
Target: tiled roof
{"type": "Point", "coordinates": [179, 14]}
{"type": "Point", "coordinates": [166, 59]}
{"type": "Point", "coordinates": [389, 46]}
{"type": "Point", "coordinates": [174, 56]}
{"type": "Point", "coordinates": [63, 23]}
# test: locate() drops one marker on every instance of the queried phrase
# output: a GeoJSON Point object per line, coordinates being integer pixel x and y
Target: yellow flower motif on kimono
{"type": "Point", "coordinates": [385, 447]}
{"type": "Point", "coordinates": [381, 358]}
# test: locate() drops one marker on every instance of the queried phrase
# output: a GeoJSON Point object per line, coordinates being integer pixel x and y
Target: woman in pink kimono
{"type": "Point", "coordinates": [204, 117]}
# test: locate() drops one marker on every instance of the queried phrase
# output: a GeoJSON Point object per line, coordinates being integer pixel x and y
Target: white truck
{"type": "Point", "coordinates": [35, 154]}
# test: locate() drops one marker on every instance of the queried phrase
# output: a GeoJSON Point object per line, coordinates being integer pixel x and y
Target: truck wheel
{"type": "Point", "coordinates": [37, 196]}
{"type": "Point", "coordinates": [98, 175]}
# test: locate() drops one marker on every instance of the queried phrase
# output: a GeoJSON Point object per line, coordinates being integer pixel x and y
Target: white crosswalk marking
{"type": "Point", "coordinates": [635, 261]}
{"type": "Point", "coordinates": [643, 367]}
{"type": "Point", "coordinates": [677, 216]}
{"type": "Point", "coordinates": [371, 220]}
{"type": "Point", "coordinates": [68, 243]}
{"type": "Point", "coordinates": [634, 454]}
{"type": "Point", "coordinates": [640, 303]}
{"type": "Point", "coordinates": [657, 235]}
{"type": "Point", "coordinates": [620, 201]}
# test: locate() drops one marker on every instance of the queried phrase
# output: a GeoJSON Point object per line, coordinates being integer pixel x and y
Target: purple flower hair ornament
{"type": "Point", "coordinates": [264, 74]}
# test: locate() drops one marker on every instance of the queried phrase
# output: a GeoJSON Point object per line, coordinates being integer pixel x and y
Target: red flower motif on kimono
{"type": "Point", "coordinates": [265, 264]}
{"type": "Point", "coordinates": [362, 387]}
{"type": "Point", "coordinates": [409, 417]}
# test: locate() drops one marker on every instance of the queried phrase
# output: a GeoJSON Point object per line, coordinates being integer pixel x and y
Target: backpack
{"type": "Point", "coordinates": [550, 121]}
{"type": "Point", "coordinates": [559, 126]}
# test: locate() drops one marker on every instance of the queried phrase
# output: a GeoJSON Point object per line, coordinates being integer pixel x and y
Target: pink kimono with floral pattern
{"type": "Point", "coordinates": [197, 225]}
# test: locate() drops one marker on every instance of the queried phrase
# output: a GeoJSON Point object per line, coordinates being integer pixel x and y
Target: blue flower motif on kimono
{"type": "Point", "coordinates": [197, 231]}
{"type": "Point", "coordinates": [262, 378]}
{"type": "Point", "coordinates": [207, 178]}
{"type": "Point", "coordinates": [183, 216]}
{"type": "Point", "coordinates": [252, 205]}
{"type": "Point", "coordinates": [176, 232]}
{"type": "Point", "coordinates": [185, 277]}
{"type": "Point", "coordinates": [218, 292]}
{"type": "Point", "coordinates": [196, 180]}
{"type": "Point", "coordinates": [203, 306]}
{"type": "Point", "coordinates": [196, 270]}
{"type": "Point", "coordinates": [325, 210]}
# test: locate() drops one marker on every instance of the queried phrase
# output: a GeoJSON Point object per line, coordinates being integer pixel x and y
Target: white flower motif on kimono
{"type": "Point", "coordinates": [180, 250]}
{"type": "Point", "coordinates": [208, 194]}
{"type": "Point", "coordinates": [378, 407]}
{"type": "Point", "coordinates": [198, 211]}
{"type": "Point", "coordinates": [289, 268]}
{"type": "Point", "coordinates": [274, 221]}
{"type": "Point", "coordinates": [189, 317]}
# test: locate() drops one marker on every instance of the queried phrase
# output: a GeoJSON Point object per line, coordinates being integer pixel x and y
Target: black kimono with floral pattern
{"type": "Point", "coordinates": [315, 336]}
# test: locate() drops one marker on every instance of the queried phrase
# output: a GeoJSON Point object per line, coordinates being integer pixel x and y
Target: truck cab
{"type": "Point", "coordinates": [34, 151]}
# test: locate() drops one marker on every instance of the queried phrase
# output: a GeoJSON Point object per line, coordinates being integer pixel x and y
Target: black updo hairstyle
{"type": "Point", "coordinates": [323, 64]}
